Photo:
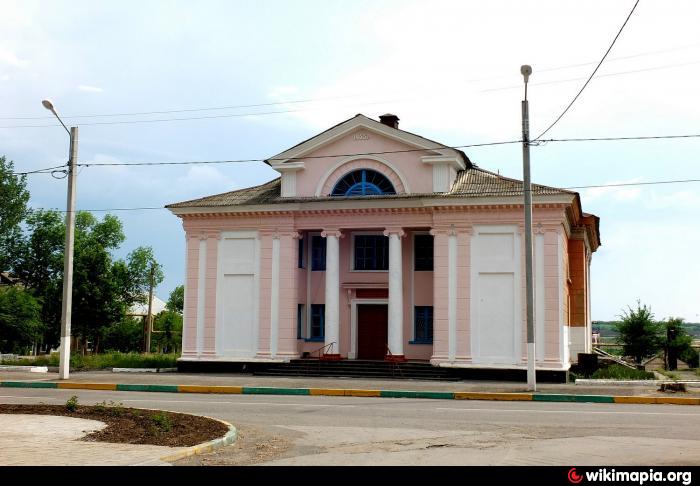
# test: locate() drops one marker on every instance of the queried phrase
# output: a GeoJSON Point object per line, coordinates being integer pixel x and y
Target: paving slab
{"type": "Point", "coordinates": [47, 440]}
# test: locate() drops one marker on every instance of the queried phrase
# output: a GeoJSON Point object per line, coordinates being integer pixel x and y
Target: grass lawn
{"type": "Point", "coordinates": [103, 361]}
{"type": "Point", "coordinates": [619, 372]}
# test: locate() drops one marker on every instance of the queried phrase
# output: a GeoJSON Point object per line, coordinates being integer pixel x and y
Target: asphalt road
{"type": "Point", "coordinates": [314, 430]}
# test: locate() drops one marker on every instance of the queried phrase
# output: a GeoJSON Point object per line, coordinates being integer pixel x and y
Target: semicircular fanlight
{"type": "Point", "coordinates": [363, 182]}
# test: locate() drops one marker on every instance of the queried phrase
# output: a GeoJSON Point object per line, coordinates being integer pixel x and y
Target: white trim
{"type": "Point", "coordinates": [360, 121]}
{"type": "Point", "coordinates": [353, 321]}
{"type": "Point", "coordinates": [452, 296]}
{"type": "Point", "coordinates": [351, 158]}
{"type": "Point", "coordinates": [540, 336]}
{"type": "Point", "coordinates": [454, 161]}
{"type": "Point", "coordinates": [506, 267]}
{"type": "Point", "coordinates": [376, 203]}
{"type": "Point", "coordinates": [275, 297]}
{"type": "Point", "coordinates": [563, 334]}
{"type": "Point", "coordinates": [201, 293]}
{"type": "Point", "coordinates": [220, 276]}
{"type": "Point", "coordinates": [185, 313]}
{"type": "Point", "coordinates": [395, 336]}
{"type": "Point", "coordinates": [288, 184]}
{"type": "Point", "coordinates": [287, 166]}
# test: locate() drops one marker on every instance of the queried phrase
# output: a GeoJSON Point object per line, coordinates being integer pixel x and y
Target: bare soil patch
{"type": "Point", "coordinates": [134, 425]}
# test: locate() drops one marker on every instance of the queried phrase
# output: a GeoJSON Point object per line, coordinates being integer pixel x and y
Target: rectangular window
{"type": "Point", "coordinates": [318, 318]}
{"type": "Point", "coordinates": [300, 258]}
{"type": "Point", "coordinates": [423, 253]}
{"type": "Point", "coordinates": [318, 253]}
{"type": "Point", "coordinates": [423, 325]}
{"type": "Point", "coordinates": [300, 321]}
{"type": "Point", "coordinates": [371, 252]}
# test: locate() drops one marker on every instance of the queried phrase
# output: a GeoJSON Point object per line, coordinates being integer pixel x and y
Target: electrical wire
{"type": "Point", "coordinates": [49, 170]}
{"type": "Point", "coordinates": [592, 74]}
{"type": "Point", "coordinates": [487, 193]}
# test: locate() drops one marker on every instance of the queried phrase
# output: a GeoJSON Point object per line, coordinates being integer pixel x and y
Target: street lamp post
{"type": "Point", "coordinates": [67, 303]}
{"type": "Point", "coordinates": [526, 71]}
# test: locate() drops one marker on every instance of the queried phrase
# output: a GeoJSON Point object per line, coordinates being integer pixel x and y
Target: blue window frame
{"type": "Point", "coordinates": [423, 324]}
{"type": "Point", "coordinates": [318, 322]}
{"type": "Point", "coordinates": [318, 253]}
{"type": "Point", "coordinates": [300, 321]}
{"type": "Point", "coordinates": [423, 253]}
{"type": "Point", "coordinates": [300, 258]}
{"type": "Point", "coordinates": [363, 182]}
{"type": "Point", "coordinates": [371, 252]}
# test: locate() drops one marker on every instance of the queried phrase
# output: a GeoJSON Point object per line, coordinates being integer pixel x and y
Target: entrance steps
{"type": "Point", "coordinates": [359, 369]}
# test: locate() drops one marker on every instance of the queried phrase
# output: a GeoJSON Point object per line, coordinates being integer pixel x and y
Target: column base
{"type": "Point", "coordinates": [330, 357]}
{"type": "Point", "coordinates": [395, 358]}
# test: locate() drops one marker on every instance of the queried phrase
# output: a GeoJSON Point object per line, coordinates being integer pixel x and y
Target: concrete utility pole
{"type": "Point", "coordinates": [67, 303]}
{"type": "Point", "coordinates": [527, 191]}
{"type": "Point", "coordinates": [149, 318]}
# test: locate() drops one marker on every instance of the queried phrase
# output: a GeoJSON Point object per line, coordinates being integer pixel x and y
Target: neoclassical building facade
{"type": "Point", "coordinates": [375, 243]}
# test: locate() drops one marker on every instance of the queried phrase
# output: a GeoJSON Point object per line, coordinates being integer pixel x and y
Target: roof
{"type": "Point", "coordinates": [471, 182]}
{"type": "Point", "coordinates": [142, 309]}
{"type": "Point", "coordinates": [360, 119]}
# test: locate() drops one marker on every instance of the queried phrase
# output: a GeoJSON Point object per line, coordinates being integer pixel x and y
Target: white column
{"type": "Point", "coordinates": [332, 319]}
{"type": "Point", "coordinates": [201, 292]}
{"type": "Point", "coordinates": [452, 294]}
{"type": "Point", "coordinates": [275, 296]}
{"type": "Point", "coordinates": [395, 293]}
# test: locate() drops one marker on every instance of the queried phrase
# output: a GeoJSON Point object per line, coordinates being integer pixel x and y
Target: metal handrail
{"type": "Point", "coordinates": [394, 364]}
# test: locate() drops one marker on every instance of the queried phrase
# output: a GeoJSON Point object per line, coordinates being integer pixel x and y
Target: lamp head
{"type": "Point", "coordinates": [526, 71]}
{"type": "Point", "coordinates": [47, 104]}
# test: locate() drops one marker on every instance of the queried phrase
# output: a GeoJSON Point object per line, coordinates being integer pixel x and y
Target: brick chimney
{"type": "Point", "coordinates": [389, 120]}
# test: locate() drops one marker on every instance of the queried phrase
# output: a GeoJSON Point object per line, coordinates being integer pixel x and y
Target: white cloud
{"type": "Point", "coordinates": [5, 77]}
{"type": "Point", "coordinates": [10, 58]}
{"type": "Point", "coordinates": [89, 89]}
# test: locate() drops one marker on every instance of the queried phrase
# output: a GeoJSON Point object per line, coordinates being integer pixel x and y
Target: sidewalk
{"type": "Point", "coordinates": [250, 381]}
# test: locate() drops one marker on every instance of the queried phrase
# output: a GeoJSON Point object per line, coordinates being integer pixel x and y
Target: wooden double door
{"type": "Point", "coordinates": [372, 331]}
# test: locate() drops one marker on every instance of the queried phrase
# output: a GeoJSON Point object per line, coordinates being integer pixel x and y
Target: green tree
{"type": "Point", "coordinates": [20, 323]}
{"type": "Point", "coordinates": [176, 301]}
{"type": "Point", "coordinates": [38, 261]}
{"type": "Point", "coordinates": [681, 344]}
{"type": "Point", "coordinates": [168, 332]}
{"type": "Point", "coordinates": [125, 336]}
{"type": "Point", "coordinates": [13, 209]}
{"type": "Point", "coordinates": [141, 268]}
{"type": "Point", "coordinates": [639, 334]}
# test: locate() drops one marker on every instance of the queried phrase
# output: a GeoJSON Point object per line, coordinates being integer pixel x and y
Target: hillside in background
{"type": "Point", "coordinates": [607, 328]}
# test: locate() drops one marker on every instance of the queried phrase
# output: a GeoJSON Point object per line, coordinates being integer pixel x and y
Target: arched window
{"type": "Point", "coordinates": [363, 182]}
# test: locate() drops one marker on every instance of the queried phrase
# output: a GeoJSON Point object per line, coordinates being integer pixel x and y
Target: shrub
{"type": "Point", "coordinates": [639, 334]}
{"type": "Point", "coordinates": [162, 421]}
{"type": "Point", "coordinates": [620, 372]}
{"type": "Point", "coordinates": [691, 357]}
{"type": "Point", "coordinates": [72, 404]}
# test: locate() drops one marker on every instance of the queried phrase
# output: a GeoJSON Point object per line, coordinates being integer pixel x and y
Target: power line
{"type": "Point", "coordinates": [49, 170]}
{"type": "Point", "coordinates": [487, 193]}
{"type": "Point", "coordinates": [330, 98]}
{"type": "Point", "coordinates": [592, 74]}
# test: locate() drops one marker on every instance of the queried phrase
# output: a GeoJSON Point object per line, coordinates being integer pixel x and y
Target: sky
{"type": "Point", "coordinates": [449, 70]}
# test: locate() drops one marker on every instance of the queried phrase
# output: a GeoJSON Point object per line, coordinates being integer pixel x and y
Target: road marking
{"type": "Point", "coordinates": [509, 410]}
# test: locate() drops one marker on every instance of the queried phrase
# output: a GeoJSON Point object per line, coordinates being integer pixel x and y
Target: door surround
{"type": "Point", "coordinates": [353, 321]}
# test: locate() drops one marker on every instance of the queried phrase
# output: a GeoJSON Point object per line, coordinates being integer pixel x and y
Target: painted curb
{"type": "Point", "coordinates": [353, 392]}
{"type": "Point", "coordinates": [205, 447]}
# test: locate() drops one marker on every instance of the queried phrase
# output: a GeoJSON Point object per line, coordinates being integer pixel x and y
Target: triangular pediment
{"type": "Point", "coordinates": [361, 123]}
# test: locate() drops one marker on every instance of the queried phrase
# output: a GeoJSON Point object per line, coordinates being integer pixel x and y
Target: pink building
{"type": "Point", "coordinates": [407, 251]}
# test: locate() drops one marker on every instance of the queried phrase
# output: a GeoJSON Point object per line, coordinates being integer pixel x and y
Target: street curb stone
{"type": "Point", "coordinates": [435, 395]}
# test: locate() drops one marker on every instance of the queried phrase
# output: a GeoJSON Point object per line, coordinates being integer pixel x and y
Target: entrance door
{"type": "Point", "coordinates": [372, 331]}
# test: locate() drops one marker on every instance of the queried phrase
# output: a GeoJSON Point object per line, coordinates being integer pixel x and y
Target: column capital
{"type": "Point", "coordinates": [451, 230]}
{"type": "Point", "coordinates": [331, 232]}
{"type": "Point", "coordinates": [394, 231]}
